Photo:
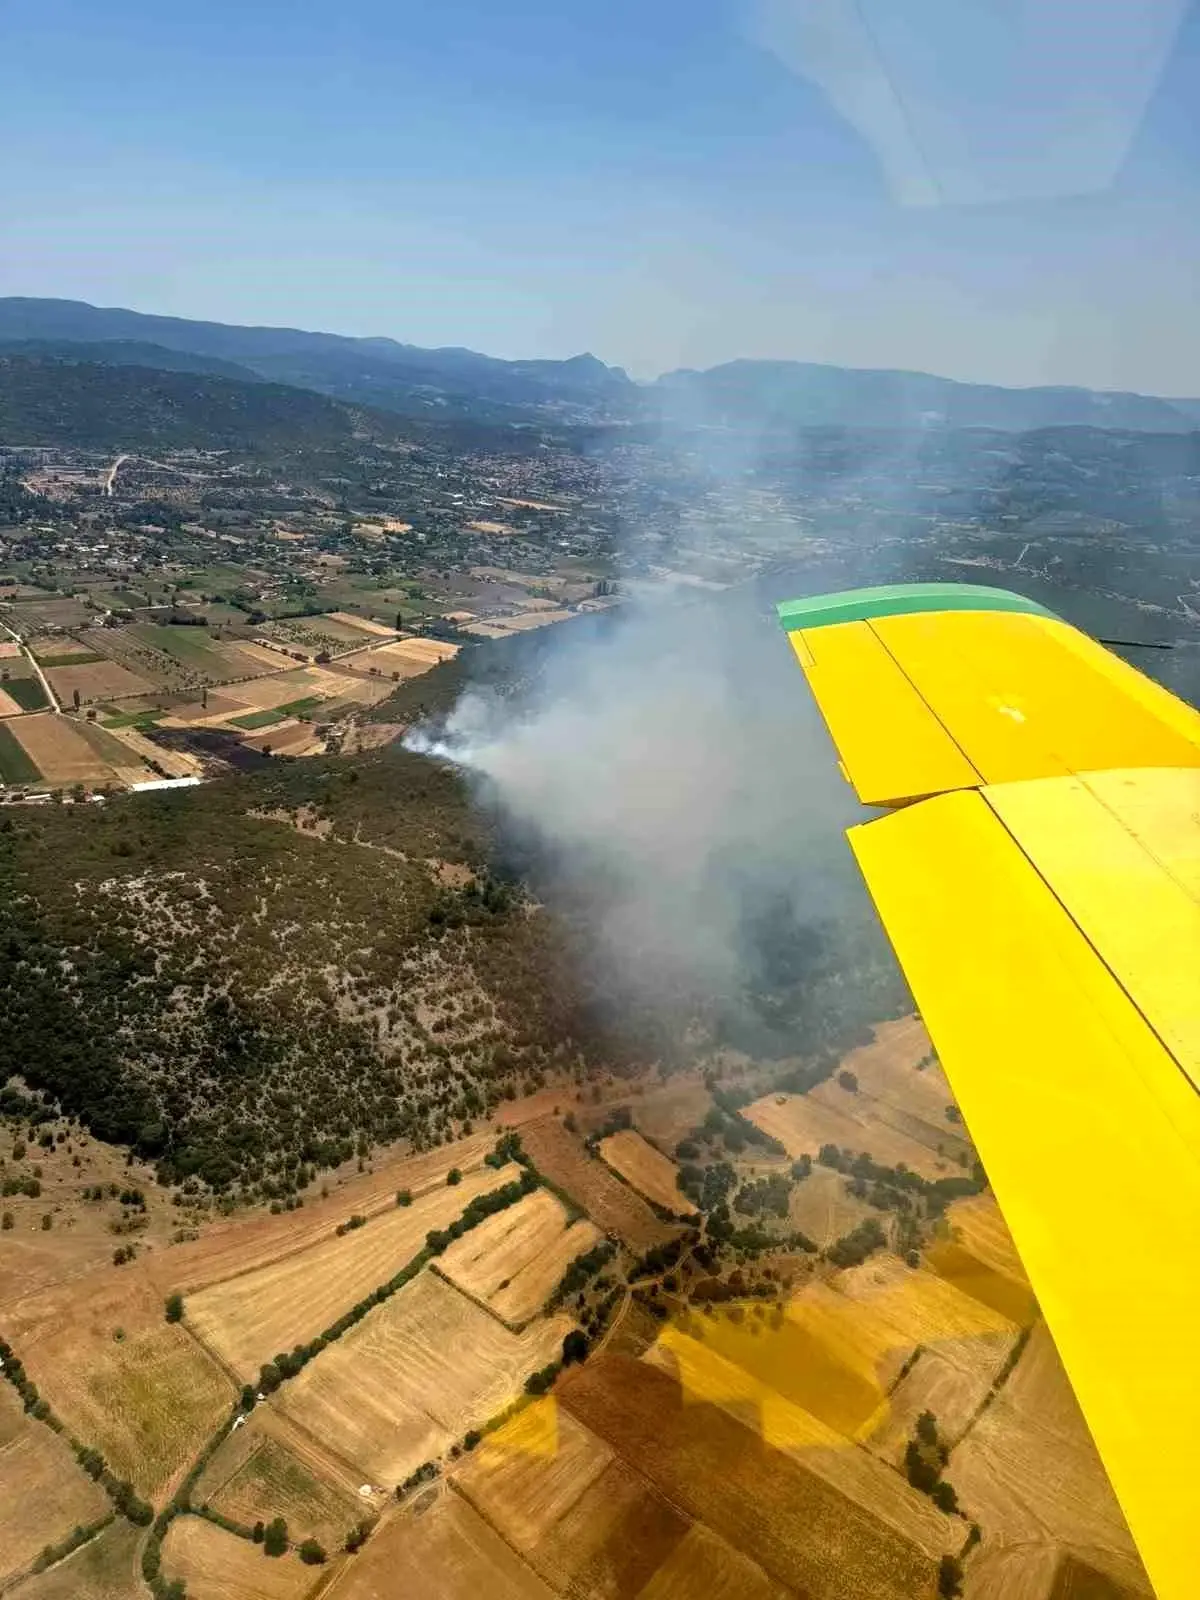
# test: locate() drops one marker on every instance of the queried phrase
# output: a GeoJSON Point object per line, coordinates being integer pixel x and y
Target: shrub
{"type": "Point", "coordinates": [275, 1538]}
{"type": "Point", "coordinates": [312, 1553]}
{"type": "Point", "coordinates": [173, 1309]}
{"type": "Point", "coordinates": [950, 1577]}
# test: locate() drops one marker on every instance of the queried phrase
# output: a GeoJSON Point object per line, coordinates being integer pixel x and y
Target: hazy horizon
{"type": "Point", "coordinates": [995, 193]}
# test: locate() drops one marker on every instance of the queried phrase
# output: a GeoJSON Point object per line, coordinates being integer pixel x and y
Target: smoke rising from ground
{"type": "Point", "coordinates": [669, 770]}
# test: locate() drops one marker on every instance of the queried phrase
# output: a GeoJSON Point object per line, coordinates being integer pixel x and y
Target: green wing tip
{"type": "Point", "coordinates": [899, 599]}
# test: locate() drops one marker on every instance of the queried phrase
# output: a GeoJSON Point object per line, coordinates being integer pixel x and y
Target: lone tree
{"type": "Point", "coordinates": [275, 1539]}
{"type": "Point", "coordinates": [312, 1553]}
{"type": "Point", "coordinates": [174, 1308]}
{"type": "Point", "coordinates": [848, 1082]}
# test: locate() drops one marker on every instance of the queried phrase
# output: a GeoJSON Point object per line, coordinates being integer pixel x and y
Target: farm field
{"type": "Point", "coordinates": [703, 1564]}
{"type": "Point", "coordinates": [58, 750]}
{"type": "Point", "coordinates": [254, 1476]}
{"type": "Point", "coordinates": [362, 624]}
{"type": "Point", "coordinates": [707, 1376]}
{"type": "Point", "coordinates": [822, 1207]}
{"type": "Point", "coordinates": [413, 1376]}
{"type": "Point", "coordinates": [43, 1491]}
{"type": "Point", "coordinates": [514, 1260]}
{"type": "Point", "coordinates": [979, 1257]}
{"type": "Point", "coordinates": [104, 1569]}
{"type": "Point", "coordinates": [135, 751]}
{"type": "Point", "coordinates": [801, 1531]}
{"type": "Point", "coordinates": [26, 690]}
{"type": "Point", "coordinates": [526, 1476]}
{"type": "Point", "coordinates": [613, 1539]}
{"type": "Point", "coordinates": [15, 763]}
{"type": "Point", "coordinates": [610, 1204]}
{"type": "Point", "coordinates": [668, 1113]}
{"type": "Point", "coordinates": [52, 648]}
{"type": "Point", "coordinates": [229, 1249]}
{"type": "Point", "coordinates": [95, 680]}
{"type": "Point", "coordinates": [8, 706]}
{"type": "Point", "coordinates": [1033, 1433]}
{"type": "Point", "coordinates": [146, 1400]}
{"type": "Point", "coordinates": [647, 1169]}
{"type": "Point", "coordinates": [802, 1124]}
{"type": "Point", "coordinates": [217, 1565]}
{"type": "Point", "coordinates": [439, 1549]}
{"type": "Point", "coordinates": [1052, 1572]}
{"type": "Point", "coordinates": [250, 1317]}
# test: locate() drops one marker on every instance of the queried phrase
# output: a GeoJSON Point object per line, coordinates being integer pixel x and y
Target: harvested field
{"type": "Point", "coordinates": [283, 688]}
{"type": "Point", "coordinates": [703, 1564]}
{"type": "Point", "coordinates": [413, 1376]}
{"type": "Point", "coordinates": [44, 1493]}
{"type": "Point", "coordinates": [1052, 1572]}
{"type": "Point", "coordinates": [8, 706]}
{"type": "Point", "coordinates": [439, 1549]}
{"type": "Point", "coordinates": [951, 1381]}
{"type": "Point", "coordinates": [801, 1531]}
{"type": "Point", "coordinates": [146, 1401]}
{"type": "Point", "coordinates": [527, 1475]}
{"type": "Point", "coordinates": [514, 1260]}
{"type": "Point", "coordinates": [95, 680]}
{"type": "Point", "coordinates": [216, 1565]}
{"type": "Point", "coordinates": [647, 1169]}
{"type": "Point", "coordinates": [251, 1316]}
{"type": "Point", "coordinates": [708, 1377]}
{"type": "Point", "coordinates": [821, 1207]}
{"type": "Point", "coordinates": [979, 1258]}
{"type": "Point", "coordinates": [669, 1114]}
{"type": "Point", "coordinates": [613, 1539]}
{"type": "Point", "coordinates": [9, 650]}
{"type": "Point", "coordinates": [53, 647]}
{"type": "Point", "coordinates": [255, 1477]}
{"type": "Point", "coordinates": [104, 1569]}
{"type": "Point", "coordinates": [802, 1124]}
{"type": "Point", "coordinates": [138, 748]}
{"type": "Point", "coordinates": [58, 750]}
{"type": "Point", "coordinates": [1028, 1469]}
{"type": "Point", "coordinates": [230, 1249]}
{"type": "Point", "coordinates": [15, 764]}
{"type": "Point", "coordinates": [362, 624]}
{"type": "Point", "coordinates": [610, 1204]}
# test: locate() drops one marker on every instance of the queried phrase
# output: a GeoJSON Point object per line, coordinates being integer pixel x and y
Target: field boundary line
{"type": "Point", "coordinates": [469, 1294]}
{"type": "Point", "coordinates": [383, 1208]}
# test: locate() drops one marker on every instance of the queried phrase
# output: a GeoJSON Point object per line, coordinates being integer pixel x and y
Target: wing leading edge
{"type": "Point", "coordinates": [1039, 879]}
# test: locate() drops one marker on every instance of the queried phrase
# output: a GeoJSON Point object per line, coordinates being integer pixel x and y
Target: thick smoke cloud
{"type": "Point", "coordinates": [669, 770]}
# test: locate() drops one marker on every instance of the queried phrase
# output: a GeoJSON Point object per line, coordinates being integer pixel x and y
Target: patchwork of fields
{"type": "Point", "coordinates": [752, 1446]}
{"type": "Point", "coordinates": [268, 690]}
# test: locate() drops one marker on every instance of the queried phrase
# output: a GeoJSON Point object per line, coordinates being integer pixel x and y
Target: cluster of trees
{"type": "Point", "coordinates": [925, 1455]}
{"type": "Point", "coordinates": [890, 1188]}
{"type": "Point", "coordinates": [768, 1196]}
{"type": "Point", "coordinates": [853, 1248]}
{"type": "Point", "coordinates": [580, 1272]}
{"type": "Point", "coordinates": [356, 1220]}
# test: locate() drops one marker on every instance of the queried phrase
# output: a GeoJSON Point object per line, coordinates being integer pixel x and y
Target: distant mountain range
{"type": "Point", "coordinates": [457, 384]}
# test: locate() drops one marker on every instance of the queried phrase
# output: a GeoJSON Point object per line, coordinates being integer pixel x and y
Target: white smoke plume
{"type": "Point", "coordinates": [672, 772]}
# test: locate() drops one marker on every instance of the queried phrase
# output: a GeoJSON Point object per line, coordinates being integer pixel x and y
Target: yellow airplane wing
{"type": "Point", "coordinates": [1039, 878]}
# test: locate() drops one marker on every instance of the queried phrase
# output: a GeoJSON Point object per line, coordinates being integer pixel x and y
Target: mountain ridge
{"type": "Point", "coordinates": [454, 382]}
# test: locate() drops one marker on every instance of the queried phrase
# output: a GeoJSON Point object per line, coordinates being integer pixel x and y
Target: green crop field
{"type": "Point", "coordinates": [15, 765]}
{"type": "Point", "coordinates": [299, 708]}
{"type": "Point", "coordinates": [27, 692]}
{"type": "Point", "coordinates": [259, 719]}
{"type": "Point", "coordinates": [69, 661]}
{"type": "Point", "coordinates": [189, 645]}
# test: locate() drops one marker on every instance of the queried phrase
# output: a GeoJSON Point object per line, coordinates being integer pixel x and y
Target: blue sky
{"type": "Point", "coordinates": [1000, 190]}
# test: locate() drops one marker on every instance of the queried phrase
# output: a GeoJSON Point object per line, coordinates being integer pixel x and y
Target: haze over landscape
{"type": "Point", "coordinates": [463, 1127]}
